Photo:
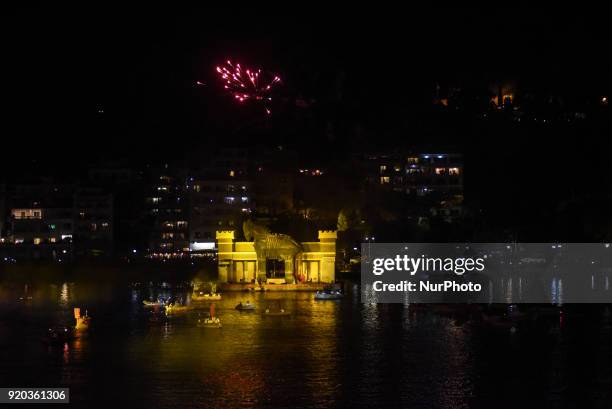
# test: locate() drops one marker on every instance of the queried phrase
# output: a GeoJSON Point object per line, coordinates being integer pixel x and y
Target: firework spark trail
{"type": "Point", "coordinates": [245, 84]}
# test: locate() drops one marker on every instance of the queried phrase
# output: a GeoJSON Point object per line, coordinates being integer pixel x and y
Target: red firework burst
{"type": "Point", "coordinates": [245, 84]}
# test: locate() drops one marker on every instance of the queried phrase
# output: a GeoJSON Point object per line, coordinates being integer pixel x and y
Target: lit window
{"type": "Point", "coordinates": [26, 213]}
{"type": "Point", "coordinates": [453, 171]}
{"type": "Point", "coordinates": [232, 173]}
{"type": "Point", "coordinates": [440, 171]}
{"type": "Point", "coordinates": [384, 180]}
{"type": "Point", "coordinates": [413, 160]}
{"type": "Point", "coordinates": [244, 199]}
{"type": "Point", "coordinates": [383, 168]}
{"type": "Point", "coordinates": [37, 240]}
{"type": "Point", "coordinates": [52, 239]}
{"type": "Point", "coordinates": [229, 199]}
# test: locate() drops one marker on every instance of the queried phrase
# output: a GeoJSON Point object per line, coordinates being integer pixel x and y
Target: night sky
{"type": "Point", "coordinates": [376, 68]}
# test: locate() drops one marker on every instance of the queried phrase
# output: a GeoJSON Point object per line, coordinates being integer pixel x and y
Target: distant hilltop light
{"type": "Point", "coordinates": [604, 100]}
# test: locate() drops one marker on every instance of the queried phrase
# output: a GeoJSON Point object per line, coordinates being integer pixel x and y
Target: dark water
{"type": "Point", "coordinates": [326, 354]}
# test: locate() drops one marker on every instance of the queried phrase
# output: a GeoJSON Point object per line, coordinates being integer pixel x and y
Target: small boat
{"type": "Point", "coordinates": [177, 308]}
{"type": "Point", "coordinates": [280, 312]}
{"type": "Point", "coordinates": [328, 294]}
{"type": "Point", "coordinates": [82, 321]}
{"type": "Point", "coordinates": [247, 306]}
{"type": "Point", "coordinates": [211, 321]}
{"type": "Point", "coordinates": [276, 312]}
{"type": "Point", "coordinates": [205, 297]}
{"type": "Point", "coordinates": [58, 336]}
{"type": "Point", "coordinates": [26, 297]}
{"type": "Point", "coordinates": [152, 304]}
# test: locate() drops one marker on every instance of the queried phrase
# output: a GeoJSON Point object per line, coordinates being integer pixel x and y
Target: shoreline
{"type": "Point", "coordinates": [253, 287]}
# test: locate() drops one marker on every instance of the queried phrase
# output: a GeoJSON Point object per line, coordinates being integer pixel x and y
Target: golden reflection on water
{"type": "Point", "coordinates": [64, 296]}
{"type": "Point", "coordinates": [247, 359]}
{"type": "Point", "coordinates": [324, 352]}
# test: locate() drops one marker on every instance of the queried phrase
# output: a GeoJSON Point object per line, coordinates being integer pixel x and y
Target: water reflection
{"type": "Point", "coordinates": [64, 297]}
{"type": "Point", "coordinates": [555, 287]}
{"type": "Point", "coordinates": [325, 354]}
